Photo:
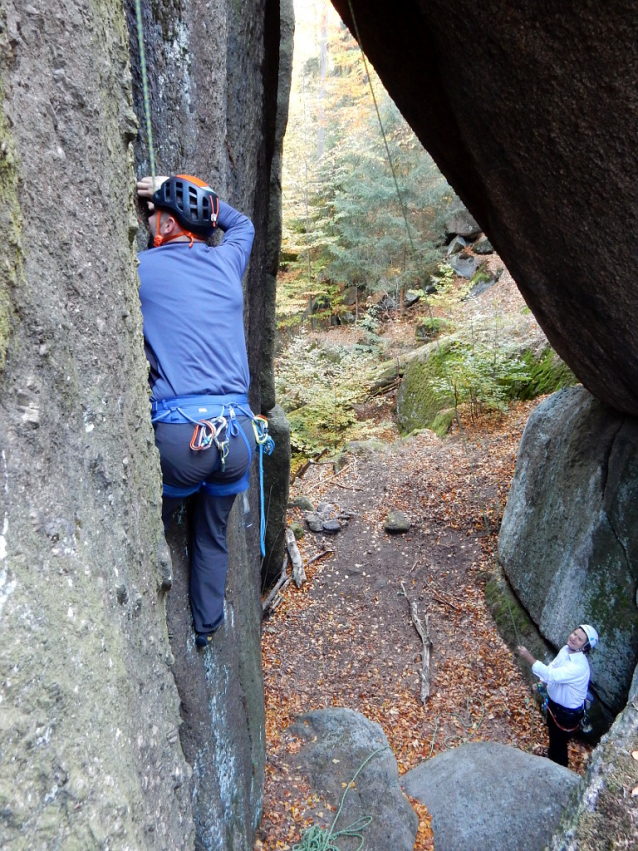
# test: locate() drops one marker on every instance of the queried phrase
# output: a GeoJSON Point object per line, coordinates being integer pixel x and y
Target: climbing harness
{"type": "Point", "coordinates": [543, 704]}
{"type": "Point", "coordinates": [315, 838]}
{"type": "Point", "coordinates": [560, 727]}
{"type": "Point", "coordinates": [215, 423]}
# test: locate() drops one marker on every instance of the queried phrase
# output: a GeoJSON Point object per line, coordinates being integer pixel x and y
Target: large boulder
{"type": "Point", "coordinates": [95, 752]}
{"type": "Point", "coordinates": [519, 110]}
{"type": "Point", "coordinates": [490, 796]}
{"type": "Point", "coordinates": [460, 222]}
{"type": "Point", "coordinates": [336, 744]}
{"type": "Point", "coordinates": [422, 392]}
{"type": "Point", "coordinates": [569, 537]}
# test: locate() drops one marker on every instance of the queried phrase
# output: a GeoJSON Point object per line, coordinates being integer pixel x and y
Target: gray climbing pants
{"type": "Point", "coordinates": [185, 468]}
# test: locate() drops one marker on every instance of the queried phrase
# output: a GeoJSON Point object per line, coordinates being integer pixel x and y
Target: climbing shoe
{"type": "Point", "coordinates": [203, 639]}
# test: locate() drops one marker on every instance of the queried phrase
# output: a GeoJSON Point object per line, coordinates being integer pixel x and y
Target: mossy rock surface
{"type": "Point", "coordinates": [442, 422]}
{"type": "Point", "coordinates": [547, 374]}
{"type": "Point", "coordinates": [422, 396]}
{"type": "Point", "coordinates": [419, 399]}
{"type": "Point", "coordinates": [431, 327]}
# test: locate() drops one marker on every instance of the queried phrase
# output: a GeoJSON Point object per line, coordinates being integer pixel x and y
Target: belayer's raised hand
{"type": "Point", "coordinates": [525, 654]}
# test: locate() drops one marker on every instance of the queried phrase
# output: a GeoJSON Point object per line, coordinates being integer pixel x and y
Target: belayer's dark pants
{"type": "Point", "coordinates": [185, 468]}
{"type": "Point", "coordinates": [562, 723]}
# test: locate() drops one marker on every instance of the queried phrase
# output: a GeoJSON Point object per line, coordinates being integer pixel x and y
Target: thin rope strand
{"type": "Point", "coordinates": [147, 106]}
{"type": "Point", "coordinates": [446, 375]}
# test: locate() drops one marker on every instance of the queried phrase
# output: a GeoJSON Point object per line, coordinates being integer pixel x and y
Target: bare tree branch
{"type": "Point", "coordinates": [424, 635]}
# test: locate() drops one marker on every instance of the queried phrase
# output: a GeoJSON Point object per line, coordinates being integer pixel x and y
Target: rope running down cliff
{"type": "Point", "coordinates": [147, 105]}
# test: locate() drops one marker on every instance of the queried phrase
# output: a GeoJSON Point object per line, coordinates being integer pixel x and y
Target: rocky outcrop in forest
{"type": "Point", "coordinates": [530, 114]}
{"type": "Point", "coordinates": [492, 97]}
{"type": "Point", "coordinates": [114, 735]}
{"type": "Point", "coordinates": [569, 537]}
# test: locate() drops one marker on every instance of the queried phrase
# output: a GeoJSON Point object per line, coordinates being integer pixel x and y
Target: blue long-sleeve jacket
{"type": "Point", "coordinates": [192, 305]}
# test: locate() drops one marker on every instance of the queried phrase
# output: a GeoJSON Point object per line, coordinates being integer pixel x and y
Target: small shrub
{"type": "Point", "coordinates": [318, 387]}
{"type": "Point", "coordinates": [431, 327]}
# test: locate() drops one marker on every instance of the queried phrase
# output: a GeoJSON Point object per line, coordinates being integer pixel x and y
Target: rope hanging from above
{"type": "Point", "coordinates": [147, 105]}
{"type": "Point", "coordinates": [446, 375]}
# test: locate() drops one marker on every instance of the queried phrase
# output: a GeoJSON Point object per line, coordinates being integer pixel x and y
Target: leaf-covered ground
{"type": "Point", "coordinates": [346, 638]}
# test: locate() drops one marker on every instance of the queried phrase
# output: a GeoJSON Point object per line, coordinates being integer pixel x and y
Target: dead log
{"type": "Point", "coordinates": [281, 583]}
{"type": "Point", "coordinates": [279, 596]}
{"type": "Point", "coordinates": [306, 466]}
{"type": "Point", "coordinates": [424, 635]}
{"type": "Point", "coordinates": [298, 572]}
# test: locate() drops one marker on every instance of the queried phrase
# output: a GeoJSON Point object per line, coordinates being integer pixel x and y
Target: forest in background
{"type": "Point", "coordinates": [366, 215]}
{"type": "Point", "coordinates": [345, 231]}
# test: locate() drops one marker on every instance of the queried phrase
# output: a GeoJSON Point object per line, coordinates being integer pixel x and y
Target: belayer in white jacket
{"type": "Point", "coordinates": [567, 680]}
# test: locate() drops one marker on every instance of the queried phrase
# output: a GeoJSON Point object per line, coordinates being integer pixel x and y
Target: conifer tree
{"type": "Point", "coordinates": [344, 220]}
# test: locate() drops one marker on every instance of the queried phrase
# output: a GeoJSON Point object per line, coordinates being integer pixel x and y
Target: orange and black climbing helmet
{"type": "Point", "coordinates": [191, 201]}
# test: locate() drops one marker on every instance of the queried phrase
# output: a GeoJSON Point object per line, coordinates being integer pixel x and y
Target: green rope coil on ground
{"type": "Point", "coordinates": [316, 838]}
{"type": "Point", "coordinates": [147, 104]}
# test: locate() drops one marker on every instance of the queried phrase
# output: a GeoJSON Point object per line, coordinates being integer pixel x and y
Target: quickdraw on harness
{"type": "Point", "coordinates": [218, 430]}
{"type": "Point", "coordinates": [212, 432]}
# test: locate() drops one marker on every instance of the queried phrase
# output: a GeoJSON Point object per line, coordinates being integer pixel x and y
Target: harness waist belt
{"type": "Point", "coordinates": [185, 409]}
{"type": "Point", "coordinates": [566, 710]}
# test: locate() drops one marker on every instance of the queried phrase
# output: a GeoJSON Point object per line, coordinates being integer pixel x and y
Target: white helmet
{"type": "Point", "coordinates": [592, 635]}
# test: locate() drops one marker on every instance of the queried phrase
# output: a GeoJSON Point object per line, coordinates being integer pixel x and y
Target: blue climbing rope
{"type": "Point", "coordinates": [265, 444]}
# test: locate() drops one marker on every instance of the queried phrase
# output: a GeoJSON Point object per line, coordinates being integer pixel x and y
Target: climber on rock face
{"type": "Point", "coordinates": [567, 680]}
{"type": "Point", "coordinates": [192, 305]}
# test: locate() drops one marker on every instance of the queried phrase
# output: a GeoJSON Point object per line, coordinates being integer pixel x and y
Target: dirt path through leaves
{"type": "Point", "coordinates": [346, 638]}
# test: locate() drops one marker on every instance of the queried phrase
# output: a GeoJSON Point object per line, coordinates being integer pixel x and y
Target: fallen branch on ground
{"type": "Point", "coordinates": [382, 391]}
{"type": "Point", "coordinates": [306, 465]}
{"type": "Point", "coordinates": [298, 572]}
{"type": "Point", "coordinates": [446, 602]}
{"type": "Point", "coordinates": [329, 479]}
{"type": "Point", "coordinates": [280, 596]}
{"type": "Point", "coordinates": [424, 635]}
{"type": "Point", "coordinates": [348, 487]}
{"type": "Point", "coordinates": [318, 556]}
{"type": "Point", "coordinates": [281, 583]}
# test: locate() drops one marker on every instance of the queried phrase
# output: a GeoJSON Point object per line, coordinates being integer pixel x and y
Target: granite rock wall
{"type": "Point", "coordinates": [99, 744]}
